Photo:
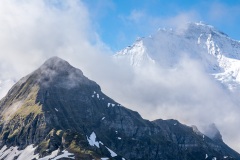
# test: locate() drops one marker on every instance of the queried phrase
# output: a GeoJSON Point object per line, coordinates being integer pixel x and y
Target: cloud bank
{"type": "Point", "coordinates": [32, 31]}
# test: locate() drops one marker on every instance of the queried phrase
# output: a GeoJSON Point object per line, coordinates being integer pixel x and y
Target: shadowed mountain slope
{"type": "Point", "coordinates": [57, 110]}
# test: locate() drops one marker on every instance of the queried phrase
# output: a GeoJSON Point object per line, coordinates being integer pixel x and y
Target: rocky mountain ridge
{"type": "Point", "coordinates": [58, 113]}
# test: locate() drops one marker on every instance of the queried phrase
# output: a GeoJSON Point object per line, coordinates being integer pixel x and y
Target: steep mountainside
{"type": "Point", "coordinates": [57, 113]}
{"type": "Point", "coordinates": [218, 53]}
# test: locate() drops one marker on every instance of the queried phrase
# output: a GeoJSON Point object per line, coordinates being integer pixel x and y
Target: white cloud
{"type": "Point", "coordinates": [32, 31]}
{"type": "Point", "coordinates": [180, 20]}
{"type": "Point", "coordinates": [145, 22]}
{"type": "Point", "coordinates": [186, 93]}
{"type": "Point", "coordinates": [136, 16]}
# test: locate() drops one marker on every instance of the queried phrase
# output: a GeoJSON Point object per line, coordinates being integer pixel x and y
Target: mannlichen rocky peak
{"type": "Point", "coordinates": [58, 112]}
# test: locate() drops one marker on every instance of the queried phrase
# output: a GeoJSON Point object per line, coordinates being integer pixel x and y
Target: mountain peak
{"type": "Point", "coordinates": [58, 71]}
{"type": "Point", "coordinates": [56, 63]}
{"type": "Point", "coordinates": [53, 73]}
{"type": "Point", "coordinates": [46, 111]}
{"type": "Point", "coordinates": [55, 60]}
{"type": "Point", "coordinates": [203, 28]}
{"type": "Point", "coordinates": [200, 23]}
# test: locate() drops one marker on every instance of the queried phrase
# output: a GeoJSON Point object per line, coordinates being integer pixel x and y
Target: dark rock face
{"type": "Point", "coordinates": [56, 106]}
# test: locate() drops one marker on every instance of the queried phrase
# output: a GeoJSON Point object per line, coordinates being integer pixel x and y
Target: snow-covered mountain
{"type": "Point", "coordinates": [218, 54]}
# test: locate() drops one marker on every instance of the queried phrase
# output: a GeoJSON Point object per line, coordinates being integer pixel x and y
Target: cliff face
{"type": "Point", "coordinates": [57, 108]}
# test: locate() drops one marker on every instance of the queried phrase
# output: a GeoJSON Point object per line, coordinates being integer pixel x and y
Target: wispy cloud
{"type": "Point", "coordinates": [145, 23]}
{"type": "Point", "coordinates": [185, 92]}
{"type": "Point", "coordinates": [219, 11]}
{"type": "Point", "coordinates": [32, 31]}
{"type": "Point", "coordinates": [136, 16]}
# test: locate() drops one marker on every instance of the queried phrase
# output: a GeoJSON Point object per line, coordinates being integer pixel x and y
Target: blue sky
{"type": "Point", "coordinates": [119, 23]}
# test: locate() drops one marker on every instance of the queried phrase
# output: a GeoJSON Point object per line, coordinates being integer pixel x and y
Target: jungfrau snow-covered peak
{"type": "Point", "coordinates": [167, 47]}
{"type": "Point", "coordinates": [204, 36]}
{"type": "Point", "coordinates": [137, 54]}
{"type": "Point", "coordinates": [217, 43]}
{"type": "Point", "coordinates": [218, 54]}
{"type": "Point", "coordinates": [224, 49]}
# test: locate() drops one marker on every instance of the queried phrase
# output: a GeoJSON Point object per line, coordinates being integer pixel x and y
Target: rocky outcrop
{"type": "Point", "coordinates": [57, 107]}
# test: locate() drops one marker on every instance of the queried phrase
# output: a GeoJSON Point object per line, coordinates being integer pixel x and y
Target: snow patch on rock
{"type": "Point", "coordinates": [92, 140]}
{"type": "Point", "coordinates": [113, 154]}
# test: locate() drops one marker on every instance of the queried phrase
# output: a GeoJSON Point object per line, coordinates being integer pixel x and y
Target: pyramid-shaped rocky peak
{"type": "Point", "coordinates": [58, 66]}
{"type": "Point", "coordinates": [57, 109]}
{"type": "Point", "coordinates": [56, 71]}
{"type": "Point", "coordinates": [56, 63]}
{"type": "Point", "coordinates": [55, 75]}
